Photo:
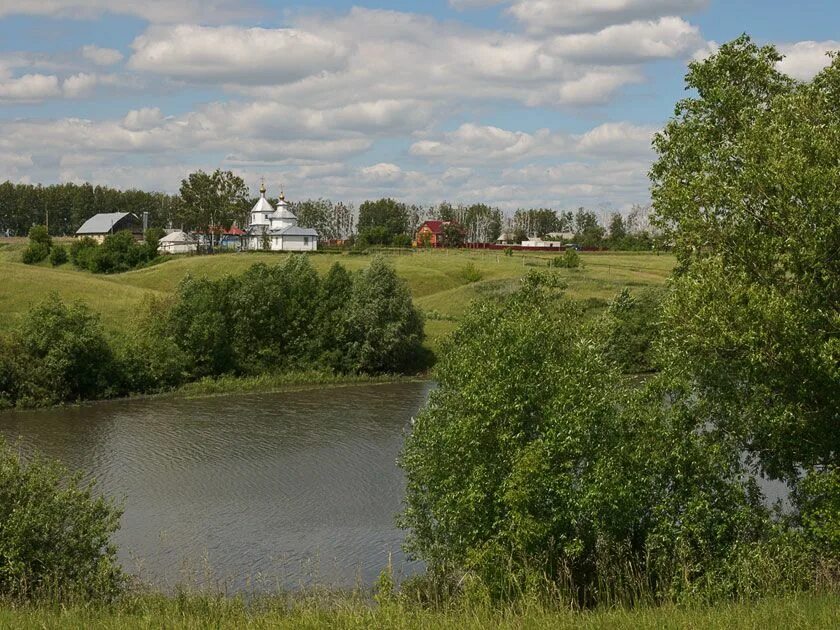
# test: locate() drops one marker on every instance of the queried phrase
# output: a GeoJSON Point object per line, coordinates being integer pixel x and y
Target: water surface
{"type": "Point", "coordinates": [266, 490]}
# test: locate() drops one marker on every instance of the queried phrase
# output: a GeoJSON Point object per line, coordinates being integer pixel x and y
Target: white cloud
{"type": "Point", "coordinates": [143, 119]}
{"type": "Point", "coordinates": [382, 173]}
{"type": "Point", "coordinates": [486, 145]}
{"type": "Point", "coordinates": [231, 54]}
{"type": "Point", "coordinates": [583, 15]}
{"type": "Point", "coordinates": [387, 56]}
{"type": "Point", "coordinates": [635, 42]}
{"type": "Point", "coordinates": [475, 4]}
{"type": "Point", "coordinates": [161, 11]}
{"type": "Point", "coordinates": [472, 143]}
{"type": "Point", "coordinates": [28, 88]}
{"type": "Point", "coordinates": [803, 60]}
{"type": "Point", "coordinates": [622, 138]}
{"type": "Point", "coordinates": [79, 85]}
{"type": "Point", "coordinates": [101, 56]}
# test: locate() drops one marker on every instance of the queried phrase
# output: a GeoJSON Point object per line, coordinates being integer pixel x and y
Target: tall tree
{"type": "Point", "coordinates": [747, 188]}
{"type": "Point", "coordinates": [387, 217]}
{"type": "Point", "coordinates": [212, 202]}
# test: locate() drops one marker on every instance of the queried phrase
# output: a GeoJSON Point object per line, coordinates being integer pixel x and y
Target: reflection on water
{"type": "Point", "coordinates": [283, 489]}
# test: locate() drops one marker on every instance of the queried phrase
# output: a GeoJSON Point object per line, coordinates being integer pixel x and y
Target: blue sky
{"type": "Point", "coordinates": [517, 103]}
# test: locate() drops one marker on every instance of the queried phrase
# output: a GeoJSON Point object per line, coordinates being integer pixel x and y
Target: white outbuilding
{"type": "Point", "coordinates": [178, 243]}
{"type": "Point", "coordinates": [277, 229]}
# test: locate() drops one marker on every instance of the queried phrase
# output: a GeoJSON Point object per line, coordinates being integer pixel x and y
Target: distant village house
{"type": "Point", "coordinates": [101, 225]}
{"type": "Point", "coordinates": [178, 242]}
{"type": "Point", "coordinates": [433, 233]}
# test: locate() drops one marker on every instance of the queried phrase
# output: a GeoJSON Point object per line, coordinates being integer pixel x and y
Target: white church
{"type": "Point", "coordinates": [276, 229]}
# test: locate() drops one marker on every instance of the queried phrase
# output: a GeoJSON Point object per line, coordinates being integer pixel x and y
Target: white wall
{"type": "Point", "coordinates": [296, 244]}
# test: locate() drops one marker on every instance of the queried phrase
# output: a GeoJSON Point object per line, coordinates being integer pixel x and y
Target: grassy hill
{"type": "Point", "coordinates": [437, 279]}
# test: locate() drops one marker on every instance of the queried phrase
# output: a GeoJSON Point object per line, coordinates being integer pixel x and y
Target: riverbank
{"type": "Point", "coordinates": [324, 611]}
{"type": "Point", "coordinates": [284, 382]}
{"type": "Point", "coordinates": [258, 384]}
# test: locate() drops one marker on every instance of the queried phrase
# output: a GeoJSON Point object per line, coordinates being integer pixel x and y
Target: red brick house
{"type": "Point", "coordinates": [431, 233]}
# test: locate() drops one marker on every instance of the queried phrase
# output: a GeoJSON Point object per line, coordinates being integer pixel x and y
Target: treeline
{"type": "Point", "coordinates": [213, 202]}
{"type": "Point", "coordinates": [66, 206]}
{"type": "Point", "coordinates": [270, 319]}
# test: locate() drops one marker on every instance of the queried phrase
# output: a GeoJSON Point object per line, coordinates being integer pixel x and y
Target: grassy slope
{"type": "Point", "coordinates": [434, 277]}
{"type": "Point", "coordinates": [790, 613]}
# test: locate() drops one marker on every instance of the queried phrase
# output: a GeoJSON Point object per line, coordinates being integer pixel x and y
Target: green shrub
{"type": "Point", "coordinates": [58, 255]}
{"type": "Point", "coordinates": [65, 354]}
{"type": "Point", "coordinates": [383, 329]}
{"type": "Point", "coordinates": [401, 240]}
{"type": "Point", "coordinates": [817, 498]}
{"type": "Point", "coordinates": [470, 273]}
{"type": "Point", "coordinates": [35, 253]}
{"type": "Point", "coordinates": [533, 467]}
{"type": "Point", "coordinates": [509, 251]}
{"type": "Point", "coordinates": [81, 251]}
{"type": "Point", "coordinates": [39, 234]}
{"type": "Point", "coordinates": [55, 535]}
{"type": "Point", "coordinates": [632, 326]}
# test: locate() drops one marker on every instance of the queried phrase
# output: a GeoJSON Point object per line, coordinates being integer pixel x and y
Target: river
{"type": "Point", "coordinates": [258, 491]}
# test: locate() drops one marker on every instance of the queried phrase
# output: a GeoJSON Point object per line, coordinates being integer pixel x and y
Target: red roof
{"type": "Point", "coordinates": [234, 231]}
{"type": "Point", "coordinates": [435, 226]}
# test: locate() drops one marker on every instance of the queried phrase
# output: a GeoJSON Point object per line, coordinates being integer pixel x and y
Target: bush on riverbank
{"type": "Point", "coordinates": [536, 471]}
{"type": "Point", "coordinates": [269, 320]}
{"type": "Point", "coordinates": [54, 533]}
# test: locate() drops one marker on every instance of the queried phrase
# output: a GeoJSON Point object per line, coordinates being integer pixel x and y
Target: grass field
{"type": "Point", "coordinates": [788, 613]}
{"type": "Point", "coordinates": [436, 279]}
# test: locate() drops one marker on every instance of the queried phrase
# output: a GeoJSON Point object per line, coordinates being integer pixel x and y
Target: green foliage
{"type": "Point", "coordinates": [35, 253]}
{"type": "Point", "coordinates": [376, 235]}
{"type": "Point", "coordinates": [63, 355]}
{"type": "Point", "coordinates": [818, 499]}
{"type": "Point", "coordinates": [746, 187]}
{"type": "Point", "coordinates": [70, 205]}
{"type": "Point", "coordinates": [380, 221]}
{"type": "Point", "coordinates": [453, 235]}
{"type": "Point", "coordinates": [39, 245]}
{"type": "Point", "coordinates": [210, 202]}
{"type": "Point", "coordinates": [151, 239]}
{"type": "Point", "coordinates": [55, 535]}
{"type": "Point", "coordinates": [58, 255]}
{"type": "Point", "coordinates": [509, 252]}
{"type": "Point", "coordinates": [336, 290]}
{"type": "Point", "coordinates": [201, 325]}
{"type": "Point", "coordinates": [532, 459]}
{"type": "Point", "coordinates": [118, 252]}
{"type": "Point", "coordinates": [38, 234]}
{"type": "Point", "coordinates": [569, 260]}
{"type": "Point", "coordinates": [332, 220]}
{"type": "Point", "coordinates": [383, 329]}
{"type": "Point", "coordinates": [470, 273]}
{"type": "Point", "coordinates": [148, 358]}
{"type": "Point", "coordinates": [401, 240]}
{"type": "Point", "coordinates": [631, 329]}
{"type": "Point", "coordinates": [81, 251]}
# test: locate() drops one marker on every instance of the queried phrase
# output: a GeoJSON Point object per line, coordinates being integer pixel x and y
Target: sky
{"type": "Point", "coordinates": [515, 103]}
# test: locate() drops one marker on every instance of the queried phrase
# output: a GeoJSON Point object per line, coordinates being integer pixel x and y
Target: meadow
{"type": "Point", "coordinates": [439, 280]}
{"type": "Point", "coordinates": [318, 611]}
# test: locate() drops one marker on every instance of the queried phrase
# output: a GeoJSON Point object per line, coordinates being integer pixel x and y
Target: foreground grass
{"type": "Point", "coordinates": [436, 280]}
{"type": "Point", "coordinates": [155, 611]}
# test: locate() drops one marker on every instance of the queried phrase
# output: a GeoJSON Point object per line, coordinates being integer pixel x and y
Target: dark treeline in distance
{"type": "Point", "coordinates": [209, 202]}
